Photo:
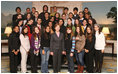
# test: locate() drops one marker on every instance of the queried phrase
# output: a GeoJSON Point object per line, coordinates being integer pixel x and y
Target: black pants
{"type": "Point", "coordinates": [98, 60]}
{"type": "Point", "coordinates": [13, 62]}
{"type": "Point", "coordinates": [89, 62]}
{"type": "Point", "coordinates": [34, 61]}
{"type": "Point", "coordinates": [57, 60]}
{"type": "Point", "coordinates": [70, 62]}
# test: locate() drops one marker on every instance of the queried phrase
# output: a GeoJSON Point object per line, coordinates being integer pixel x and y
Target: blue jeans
{"type": "Point", "coordinates": [44, 60]}
{"type": "Point", "coordinates": [80, 57]}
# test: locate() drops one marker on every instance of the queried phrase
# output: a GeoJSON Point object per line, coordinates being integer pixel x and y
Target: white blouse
{"type": "Point", "coordinates": [25, 44]}
{"type": "Point", "coordinates": [100, 41]}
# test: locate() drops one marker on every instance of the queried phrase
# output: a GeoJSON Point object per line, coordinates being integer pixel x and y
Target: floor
{"type": "Point", "coordinates": [109, 65]}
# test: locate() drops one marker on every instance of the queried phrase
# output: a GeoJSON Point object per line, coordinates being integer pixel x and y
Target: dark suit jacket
{"type": "Point", "coordinates": [57, 42]}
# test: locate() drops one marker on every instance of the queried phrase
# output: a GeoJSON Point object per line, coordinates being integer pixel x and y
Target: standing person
{"type": "Point", "coordinates": [57, 48]}
{"type": "Point", "coordinates": [75, 15]}
{"type": "Point", "coordinates": [89, 49]}
{"type": "Point", "coordinates": [84, 26]}
{"type": "Point", "coordinates": [46, 20]}
{"type": "Point", "coordinates": [20, 25]}
{"type": "Point", "coordinates": [33, 11]}
{"type": "Point", "coordinates": [36, 15]}
{"type": "Point", "coordinates": [45, 49]}
{"type": "Point", "coordinates": [28, 17]}
{"type": "Point", "coordinates": [35, 47]}
{"type": "Point", "coordinates": [79, 49]}
{"type": "Point", "coordinates": [57, 17]}
{"type": "Point", "coordinates": [54, 12]}
{"type": "Point", "coordinates": [99, 48]}
{"type": "Point", "coordinates": [77, 23]}
{"type": "Point", "coordinates": [68, 46]}
{"type": "Point", "coordinates": [62, 27]}
{"type": "Point", "coordinates": [14, 45]}
{"type": "Point", "coordinates": [81, 17]}
{"type": "Point", "coordinates": [27, 12]}
{"type": "Point", "coordinates": [64, 18]}
{"type": "Point", "coordinates": [24, 48]}
{"type": "Point", "coordinates": [86, 11]}
{"type": "Point", "coordinates": [66, 12]}
{"type": "Point", "coordinates": [71, 16]}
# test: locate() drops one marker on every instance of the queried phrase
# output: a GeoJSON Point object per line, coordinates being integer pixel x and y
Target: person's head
{"type": "Point", "coordinates": [57, 15]}
{"type": "Point", "coordinates": [39, 21]}
{"type": "Point", "coordinates": [19, 16]}
{"type": "Point", "coordinates": [64, 16]}
{"type": "Point", "coordinates": [24, 30]}
{"type": "Point", "coordinates": [46, 15]}
{"type": "Point", "coordinates": [78, 31]}
{"type": "Point", "coordinates": [86, 10]}
{"type": "Point", "coordinates": [52, 18]}
{"type": "Point", "coordinates": [27, 10]}
{"type": "Point", "coordinates": [90, 21]}
{"type": "Point", "coordinates": [30, 22]}
{"type": "Point", "coordinates": [87, 16]}
{"type": "Point", "coordinates": [77, 21]}
{"type": "Point", "coordinates": [69, 21]}
{"type": "Point", "coordinates": [69, 31]}
{"type": "Point", "coordinates": [66, 10]}
{"type": "Point", "coordinates": [97, 28]}
{"type": "Point", "coordinates": [28, 16]}
{"type": "Point", "coordinates": [57, 27]}
{"type": "Point", "coordinates": [36, 32]}
{"type": "Point", "coordinates": [75, 10]}
{"type": "Point", "coordinates": [61, 21]}
{"type": "Point", "coordinates": [33, 9]}
{"type": "Point", "coordinates": [84, 22]}
{"type": "Point", "coordinates": [47, 29]}
{"type": "Point", "coordinates": [18, 10]}
{"type": "Point", "coordinates": [20, 22]}
{"type": "Point", "coordinates": [36, 14]}
{"type": "Point", "coordinates": [50, 24]}
{"type": "Point", "coordinates": [81, 14]}
{"type": "Point", "coordinates": [70, 15]}
{"type": "Point", "coordinates": [55, 9]}
{"type": "Point", "coordinates": [89, 33]}
{"type": "Point", "coordinates": [45, 8]}
{"type": "Point", "coordinates": [16, 29]}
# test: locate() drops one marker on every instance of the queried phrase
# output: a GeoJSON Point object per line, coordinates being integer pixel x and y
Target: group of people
{"type": "Point", "coordinates": [71, 34]}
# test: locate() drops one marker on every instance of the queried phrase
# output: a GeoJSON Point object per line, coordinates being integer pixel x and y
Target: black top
{"type": "Point", "coordinates": [45, 40]}
{"type": "Point", "coordinates": [45, 22]}
{"type": "Point", "coordinates": [90, 45]}
{"type": "Point", "coordinates": [57, 42]}
{"type": "Point", "coordinates": [13, 42]}
{"type": "Point", "coordinates": [63, 29]}
{"type": "Point", "coordinates": [68, 42]}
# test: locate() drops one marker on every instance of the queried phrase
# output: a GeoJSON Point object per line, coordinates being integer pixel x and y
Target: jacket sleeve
{"type": "Point", "coordinates": [10, 43]}
{"type": "Point", "coordinates": [63, 43]}
{"type": "Point", "coordinates": [51, 43]}
{"type": "Point", "coordinates": [23, 44]}
{"type": "Point", "coordinates": [83, 43]}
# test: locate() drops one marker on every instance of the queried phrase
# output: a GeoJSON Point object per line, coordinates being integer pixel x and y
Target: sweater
{"type": "Point", "coordinates": [25, 44]}
{"type": "Point", "coordinates": [100, 41]}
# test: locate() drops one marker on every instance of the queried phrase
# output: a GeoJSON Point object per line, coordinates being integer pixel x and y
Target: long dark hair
{"type": "Point", "coordinates": [22, 32]}
{"type": "Point", "coordinates": [67, 33]}
{"type": "Point", "coordinates": [45, 33]}
{"type": "Point", "coordinates": [81, 32]}
{"type": "Point", "coordinates": [79, 24]}
{"type": "Point", "coordinates": [100, 29]}
{"type": "Point", "coordinates": [34, 34]}
{"type": "Point", "coordinates": [89, 36]}
{"type": "Point", "coordinates": [45, 6]}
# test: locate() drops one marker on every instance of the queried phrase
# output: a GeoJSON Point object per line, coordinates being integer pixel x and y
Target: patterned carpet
{"type": "Point", "coordinates": [109, 65]}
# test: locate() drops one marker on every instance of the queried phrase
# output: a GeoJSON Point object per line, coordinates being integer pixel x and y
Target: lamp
{"type": "Point", "coordinates": [106, 31]}
{"type": "Point", "coordinates": [8, 30]}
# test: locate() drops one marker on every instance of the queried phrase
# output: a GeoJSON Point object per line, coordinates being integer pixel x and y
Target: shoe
{"type": "Point", "coordinates": [78, 69]}
{"type": "Point", "coordinates": [81, 69]}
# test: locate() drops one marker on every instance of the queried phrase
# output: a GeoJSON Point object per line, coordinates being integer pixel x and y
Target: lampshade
{"type": "Point", "coordinates": [105, 30]}
{"type": "Point", "coordinates": [8, 30]}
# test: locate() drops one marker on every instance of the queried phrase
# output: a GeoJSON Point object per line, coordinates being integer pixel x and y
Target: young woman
{"type": "Point", "coordinates": [77, 23]}
{"type": "Point", "coordinates": [99, 48]}
{"type": "Point", "coordinates": [46, 20]}
{"type": "Point", "coordinates": [79, 49]}
{"type": "Point", "coordinates": [68, 46]}
{"type": "Point", "coordinates": [84, 26]}
{"type": "Point", "coordinates": [89, 50]}
{"type": "Point", "coordinates": [81, 16]}
{"type": "Point", "coordinates": [56, 48]}
{"type": "Point", "coordinates": [28, 17]}
{"type": "Point", "coordinates": [35, 47]}
{"type": "Point", "coordinates": [51, 27]}
{"type": "Point", "coordinates": [14, 45]}
{"type": "Point", "coordinates": [57, 17]}
{"type": "Point", "coordinates": [45, 49]}
{"type": "Point", "coordinates": [69, 24]}
{"type": "Point", "coordinates": [24, 48]}
{"type": "Point", "coordinates": [62, 27]}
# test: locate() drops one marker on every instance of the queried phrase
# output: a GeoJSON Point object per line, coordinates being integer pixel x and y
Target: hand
{"type": "Point", "coordinates": [63, 52]}
{"type": "Point", "coordinates": [13, 50]}
{"type": "Point", "coordinates": [43, 52]}
{"type": "Point", "coordinates": [51, 53]}
{"type": "Point", "coordinates": [78, 51]}
{"type": "Point", "coordinates": [86, 50]}
{"type": "Point", "coordinates": [71, 54]}
{"type": "Point", "coordinates": [102, 51]}
{"type": "Point", "coordinates": [16, 53]}
{"type": "Point", "coordinates": [37, 51]}
{"type": "Point", "coordinates": [77, 38]}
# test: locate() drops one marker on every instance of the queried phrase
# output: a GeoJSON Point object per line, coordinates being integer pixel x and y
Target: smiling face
{"type": "Point", "coordinates": [16, 29]}
{"type": "Point", "coordinates": [57, 28]}
{"type": "Point", "coordinates": [88, 30]}
{"type": "Point", "coordinates": [78, 30]}
{"type": "Point", "coordinates": [25, 30]}
{"type": "Point", "coordinates": [48, 29]}
{"type": "Point", "coordinates": [69, 31]}
{"type": "Point", "coordinates": [36, 30]}
{"type": "Point", "coordinates": [96, 28]}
